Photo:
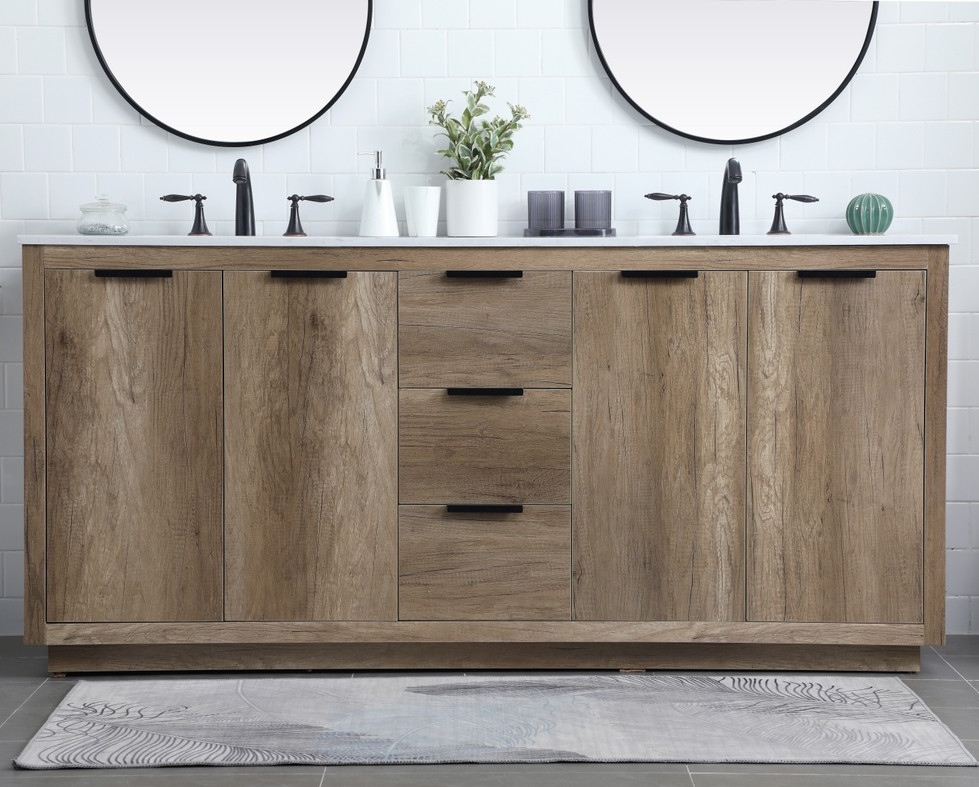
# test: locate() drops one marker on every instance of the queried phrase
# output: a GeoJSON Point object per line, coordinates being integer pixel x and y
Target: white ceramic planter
{"type": "Point", "coordinates": [471, 209]}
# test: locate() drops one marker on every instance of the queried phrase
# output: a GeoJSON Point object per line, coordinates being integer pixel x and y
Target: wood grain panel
{"type": "Point", "coordinates": [485, 449]}
{"type": "Point", "coordinates": [485, 332]}
{"type": "Point", "coordinates": [485, 566]}
{"type": "Point", "coordinates": [659, 451]}
{"type": "Point", "coordinates": [936, 385]}
{"type": "Point", "coordinates": [296, 632]}
{"type": "Point", "coordinates": [134, 441]}
{"type": "Point", "coordinates": [835, 448]}
{"type": "Point", "coordinates": [461, 656]}
{"type": "Point", "coordinates": [311, 527]}
{"type": "Point", "coordinates": [560, 258]}
{"type": "Point", "coordinates": [35, 512]}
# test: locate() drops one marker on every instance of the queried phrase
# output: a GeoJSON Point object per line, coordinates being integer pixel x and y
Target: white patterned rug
{"type": "Point", "coordinates": [605, 717]}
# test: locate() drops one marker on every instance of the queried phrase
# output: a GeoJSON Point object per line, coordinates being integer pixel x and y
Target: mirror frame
{"type": "Point", "coordinates": [89, 24]}
{"type": "Point", "coordinates": [805, 119]}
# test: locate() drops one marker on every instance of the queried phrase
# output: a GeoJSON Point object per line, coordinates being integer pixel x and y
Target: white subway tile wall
{"type": "Point", "coordinates": [908, 127]}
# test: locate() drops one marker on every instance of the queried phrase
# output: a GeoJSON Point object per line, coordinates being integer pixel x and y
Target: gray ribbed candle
{"type": "Point", "coordinates": [592, 210]}
{"type": "Point", "coordinates": [545, 210]}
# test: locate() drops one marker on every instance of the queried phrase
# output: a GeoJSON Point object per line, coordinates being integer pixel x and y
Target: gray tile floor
{"type": "Point", "coordinates": [948, 683]}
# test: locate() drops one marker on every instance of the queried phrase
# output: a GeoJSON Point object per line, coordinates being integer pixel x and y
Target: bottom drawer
{"type": "Point", "coordinates": [485, 566]}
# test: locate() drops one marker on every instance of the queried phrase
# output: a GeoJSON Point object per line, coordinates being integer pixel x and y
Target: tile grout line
{"type": "Point", "coordinates": [951, 666]}
{"type": "Point", "coordinates": [45, 681]}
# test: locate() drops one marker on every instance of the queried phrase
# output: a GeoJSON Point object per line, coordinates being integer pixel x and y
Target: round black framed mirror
{"type": "Point", "coordinates": [230, 72]}
{"type": "Point", "coordinates": [731, 71]}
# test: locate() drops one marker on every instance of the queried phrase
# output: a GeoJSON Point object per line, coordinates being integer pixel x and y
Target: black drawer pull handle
{"type": "Point", "coordinates": [484, 274]}
{"type": "Point", "coordinates": [660, 274]}
{"type": "Point", "coordinates": [131, 273]}
{"type": "Point", "coordinates": [837, 274]}
{"type": "Point", "coordinates": [308, 274]}
{"type": "Point", "coordinates": [483, 508]}
{"type": "Point", "coordinates": [484, 391]}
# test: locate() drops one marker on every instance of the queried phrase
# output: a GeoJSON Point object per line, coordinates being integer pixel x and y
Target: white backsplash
{"type": "Point", "coordinates": [908, 127]}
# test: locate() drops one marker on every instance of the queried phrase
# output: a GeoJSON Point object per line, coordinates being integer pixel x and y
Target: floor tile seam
{"type": "Point", "coordinates": [87, 778]}
{"type": "Point", "coordinates": [14, 712]}
{"type": "Point", "coordinates": [933, 680]}
{"type": "Point", "coordinates": [852, 769]}
{"type": "Point", "coordinates": [952, 667]}
{"type": "Point", "coordinates": [955, 772]}
{"type": "Point", "coordinates": [906, 679]}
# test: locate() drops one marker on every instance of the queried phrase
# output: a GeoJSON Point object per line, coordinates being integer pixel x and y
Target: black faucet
{"type": "Point", "coordinates": [730, 214]}
{"type": "Point", "coordinates": [244, 207]}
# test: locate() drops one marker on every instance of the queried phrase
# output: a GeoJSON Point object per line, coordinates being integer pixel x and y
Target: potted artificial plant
{"type": "Point", "coordinates": [475, 147]}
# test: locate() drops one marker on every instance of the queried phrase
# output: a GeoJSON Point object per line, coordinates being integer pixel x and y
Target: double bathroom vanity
{"type": "Point", "coordinates": [251, 453]}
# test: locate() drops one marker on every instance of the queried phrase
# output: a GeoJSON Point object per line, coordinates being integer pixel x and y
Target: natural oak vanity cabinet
{"type": "Point", "coordinates": [311, 448]}
{"type": "Point", "coordinates": [659, 445]}
{"type": "Point", "coordinates": [713, 461]}
{"type": "Point", "coordinates": [134, 440]}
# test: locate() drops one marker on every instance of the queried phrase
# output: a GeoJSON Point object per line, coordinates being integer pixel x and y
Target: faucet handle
{"type": "Point", "coordinates": [797, 197]}
{"type": "Point", "coordinates": [683, 223]}
{"type": "Point", "coordinates": [200, 225]}
{"type": "Point", "coordinates": [295, 228]}
{"type": "Point", "coordinates": [778, 223]}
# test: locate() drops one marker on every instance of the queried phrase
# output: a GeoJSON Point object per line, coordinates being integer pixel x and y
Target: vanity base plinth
{"type": "Point", "coordinates": [457, 656]}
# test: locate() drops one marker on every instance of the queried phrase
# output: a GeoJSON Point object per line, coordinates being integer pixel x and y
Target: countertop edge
{"type": "Point", "coordinates": [653, 241]}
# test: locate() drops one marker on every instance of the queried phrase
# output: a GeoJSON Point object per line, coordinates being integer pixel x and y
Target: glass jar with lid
{"type": "Point", "coordinates": [103, 217]}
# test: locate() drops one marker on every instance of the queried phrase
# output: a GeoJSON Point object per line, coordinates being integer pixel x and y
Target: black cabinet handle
{"type": "Point", "coordinates": [484, 391]}
{"type": "Point", "coordinates": [133, 273]}
{"type": "Point", "coordinates": [308, 274]}
{"type": "Point", "coordinates": [837, 274]}
{"type": "Point", "coordinates": [484, 274]}
{"type": "Point", "coordinates": [660, 274]}
{"type": "Point", "coordinates": [483, 508]}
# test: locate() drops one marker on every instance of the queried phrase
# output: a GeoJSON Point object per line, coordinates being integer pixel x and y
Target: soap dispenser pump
{"type": "Point", "coordinates": [377, 219]}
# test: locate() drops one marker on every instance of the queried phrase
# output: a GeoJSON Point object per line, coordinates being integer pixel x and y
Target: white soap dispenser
{"type": "Point", "coordinates": [377, 219]}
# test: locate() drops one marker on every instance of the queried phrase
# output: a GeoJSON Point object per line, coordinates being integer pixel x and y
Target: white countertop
{"type": "Point", "coordinates": [501, 242]}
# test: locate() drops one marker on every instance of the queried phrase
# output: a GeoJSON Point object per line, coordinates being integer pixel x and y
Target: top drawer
{"type": "Point", "coordinates": [485, 332]}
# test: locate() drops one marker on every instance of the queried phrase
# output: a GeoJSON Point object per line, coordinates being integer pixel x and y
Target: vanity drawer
{"type": "Point", "coordinates": [484, 448]}
{"type": "Point", "coordinates": [484, 328]}
{"type": "Point", "coordinates": [485, 565]}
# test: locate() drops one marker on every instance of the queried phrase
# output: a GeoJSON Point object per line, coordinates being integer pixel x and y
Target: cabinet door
{"type": "Point", "coordinates": [311, 460]}
{"type": "Point", "coordinates": [835, 447]}
{"type": "Point", "coordinates": [659, 447]}
{"type": "Point", "coordinates": [134, 436]}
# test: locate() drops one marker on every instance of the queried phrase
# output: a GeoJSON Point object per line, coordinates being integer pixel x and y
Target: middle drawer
{"type": "Point", "coordinates": [485, 449]}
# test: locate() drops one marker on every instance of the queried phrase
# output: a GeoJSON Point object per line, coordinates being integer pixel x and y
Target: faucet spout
{"type": "Point", "coordinates": [244, 205]}
{"type": "Point", "coordinates": [730, 213]}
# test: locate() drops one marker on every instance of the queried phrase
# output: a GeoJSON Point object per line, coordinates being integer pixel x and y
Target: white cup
{"type": "Point", "coordinates": [422, 210]}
